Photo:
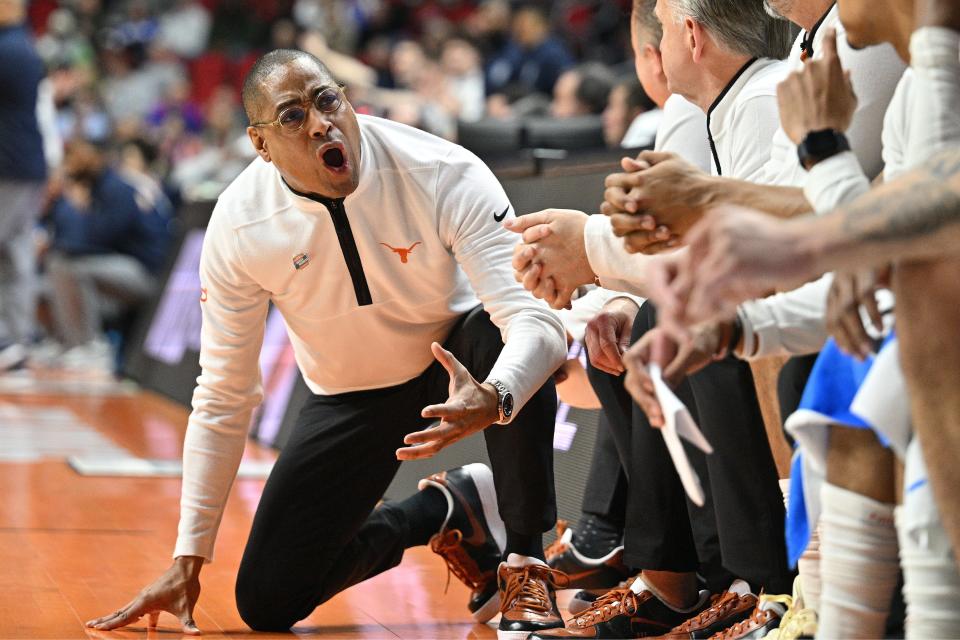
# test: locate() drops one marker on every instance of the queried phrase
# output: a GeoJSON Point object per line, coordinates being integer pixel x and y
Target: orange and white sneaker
{"type": "Point", "coordinates": [472, 536]}
{"type": "Point", "coordinates": [765, 619]}
{"type": "Point", "coordinates": [725, 610]}
{"type": "Point", "coordinates": [528, 597]}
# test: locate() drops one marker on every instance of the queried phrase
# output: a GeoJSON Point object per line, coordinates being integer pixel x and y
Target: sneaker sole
{"type": "Point", "coordinates": [513, 635]}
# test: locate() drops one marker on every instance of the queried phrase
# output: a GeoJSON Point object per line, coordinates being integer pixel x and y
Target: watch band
{"type": "Point", "coordinates": [817, 146]}
{"type": "Point", "coordinates": [504, 401]}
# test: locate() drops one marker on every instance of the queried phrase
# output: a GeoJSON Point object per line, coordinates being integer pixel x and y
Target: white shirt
{"type": "Point", "coordinates": [923, 117]}
{"type": "Point", "coordinates": [429, 246]}
{"type": "Point", "coordinates": [743, 118]}
{"type": "Point", "coordinates": [643, 130]}
{"type": "Point", "coordinates": [682, 131]}
{"type": "Point", "coordinates": [874, 72]}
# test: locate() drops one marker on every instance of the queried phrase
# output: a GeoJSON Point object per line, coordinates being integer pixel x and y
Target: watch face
{"type": "Point", "coordinates": [508, 405]}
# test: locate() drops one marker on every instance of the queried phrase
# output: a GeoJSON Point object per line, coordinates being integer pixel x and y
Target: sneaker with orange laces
{"type": "Point", "coordinates": [624, 613]}
{"type": "Point", "coordinates": [527, 597]}
{"type": "Point", "coordinates": [472, 536]}
{"type": "Point", "coordinates": [766, 617]}
{"type": "Point", "coordinates": [584, 599]}
{"type": "Point", "coordinates": [583, 571]}
{"type": "Point", "coordinates": [725, 610]}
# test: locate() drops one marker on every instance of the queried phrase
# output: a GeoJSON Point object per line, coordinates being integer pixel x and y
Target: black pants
{"type": "Point", "coordinates": [743, 517]}
{"type": "Point", "coordinates": [316, 531]}
{"type": "Point", "coordinates": [605, 494]}
{"type": "Point", "coordinates": [652, 518]}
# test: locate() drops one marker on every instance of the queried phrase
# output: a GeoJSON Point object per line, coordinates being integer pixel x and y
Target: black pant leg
{"type": "Point", "coordinates": [659, 533]}
{"type": "Point", "coordinates": [605, 494]}
{"type": "Point", "coordinates": [743, 476]}
{"type": "Point", "coordinates": [313, 534]}
{"type": "Point", "coordinates": [521, 453]}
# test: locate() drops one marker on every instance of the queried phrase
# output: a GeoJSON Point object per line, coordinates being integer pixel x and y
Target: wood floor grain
{"type": "Point", "coordinates": [73, 548]}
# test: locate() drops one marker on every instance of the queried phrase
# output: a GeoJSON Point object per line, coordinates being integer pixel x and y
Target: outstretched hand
{"type": "Point", "coordinates": [176, 592]}
{"type": "Point", "coordinates": [470, 407]}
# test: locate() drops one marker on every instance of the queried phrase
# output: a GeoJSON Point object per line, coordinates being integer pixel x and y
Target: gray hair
{"type": "Point", "coordinates": [739, 26]}
{"type": "Point", "coordinates": [651, 31]}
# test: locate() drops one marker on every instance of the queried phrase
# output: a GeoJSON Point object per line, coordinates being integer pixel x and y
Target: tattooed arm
{"type": "Point", "coordinates": [738, 254]}
{"type": "Point", "coordinates": [914, 217]}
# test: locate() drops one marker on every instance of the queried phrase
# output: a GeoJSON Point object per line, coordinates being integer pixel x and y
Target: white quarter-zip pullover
{"type": "Point", "coordinates": [365, 284]}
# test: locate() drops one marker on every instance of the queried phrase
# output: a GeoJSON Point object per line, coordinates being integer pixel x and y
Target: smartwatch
{"type": "Point", "coordinates": [504, 401]}
{"type": "Point", "coordinates": [817, 146]}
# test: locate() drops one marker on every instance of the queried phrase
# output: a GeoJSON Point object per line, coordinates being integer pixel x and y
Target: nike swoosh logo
{"type": "Point", "coordinates": [503, 214]}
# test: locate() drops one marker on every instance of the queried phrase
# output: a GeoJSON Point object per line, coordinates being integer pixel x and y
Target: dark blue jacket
{"type": "Point", "coordinates": [534, 70]}
{"type": "Point", "coordinates": [115, 223]}
{"type": "Point", "coordinates": [21, 70]}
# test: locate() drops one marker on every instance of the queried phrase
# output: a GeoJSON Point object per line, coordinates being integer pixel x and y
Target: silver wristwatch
{"type": "Point", "coordinates": [504, 401]}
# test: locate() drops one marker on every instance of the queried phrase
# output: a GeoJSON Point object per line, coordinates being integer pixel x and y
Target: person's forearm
{"type": "Point", "coordinates": [783, 202]}
{"type": "Point", "coordinates": [914, 217]}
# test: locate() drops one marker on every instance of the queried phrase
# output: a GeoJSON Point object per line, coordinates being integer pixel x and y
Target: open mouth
{"type": "Point", "coordinates": [334, 158]}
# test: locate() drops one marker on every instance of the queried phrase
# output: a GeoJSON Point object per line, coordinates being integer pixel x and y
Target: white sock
{"type": "Point", "coordinates": [859, 565]}
{"type": "Point", "coordinates": [808, 566]}
{"type": "Point", "coordinates": [931, 581]}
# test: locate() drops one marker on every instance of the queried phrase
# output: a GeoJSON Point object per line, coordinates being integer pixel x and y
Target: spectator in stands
{"type": "Point", "coordinates": [532, 60]}
{"type": "Point", "coordinates": [463, 69]}
{"type": "Point", "coordinates": [631, 118]}
{"type": "Point", "coordinates": [202, 166]}
{"type": "Point", "coordinates": [582, 90]}
{"type": "Point", "coordinates": [185, 28]}
{"type": "Point", "coordinates": [106, 253]}
{"type": "Point", "coordinates": [23, 173]}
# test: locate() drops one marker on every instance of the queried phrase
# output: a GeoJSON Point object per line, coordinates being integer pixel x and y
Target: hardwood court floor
{"type": "Point", "coordinates": [73, 548]}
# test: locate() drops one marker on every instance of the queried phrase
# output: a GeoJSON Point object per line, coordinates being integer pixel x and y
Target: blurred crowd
{"type": "Point", "coordinates": [138, 110]}
{"type": "Point", "coordinates": [167, 73]}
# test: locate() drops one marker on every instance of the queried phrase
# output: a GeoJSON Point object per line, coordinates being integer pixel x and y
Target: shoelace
{"type": "Point", "coordinates": [719, 604]}
{"type": "Point", "coordinates": [794, 622]}
{"type": "Point", "coordinates": [611, 604]}
{"type": "Point", "coordinates": [558, 546]}
{"type": "Point", "coordinates": [527, 588]}
{"type": "Point", "coordinates": [759, 616]}
{"type": "Point", "coordinates": [448, 545]}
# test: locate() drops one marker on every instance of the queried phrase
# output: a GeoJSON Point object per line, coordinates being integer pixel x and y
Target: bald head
{"type": "Point", "coordinates": [265, 66]}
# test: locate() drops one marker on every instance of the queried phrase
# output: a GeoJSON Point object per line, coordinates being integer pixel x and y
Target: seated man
{"type": "Point", "coordinates": [108, 246]}
{"type": "Point", "coordinates": [374, 241]}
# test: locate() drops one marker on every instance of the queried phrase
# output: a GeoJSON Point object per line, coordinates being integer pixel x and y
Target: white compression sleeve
{"type": "Point", "coordinates": [931, 580]}
{"type": "Point", "coordinates": [858, 564]}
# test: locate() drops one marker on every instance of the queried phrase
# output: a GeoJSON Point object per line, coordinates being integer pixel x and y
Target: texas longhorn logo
{"type": "Point", "coordinates": [403, 253]}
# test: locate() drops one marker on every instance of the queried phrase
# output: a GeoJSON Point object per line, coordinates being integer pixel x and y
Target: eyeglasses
{"type": "Point", "coordinates": [292, 118]}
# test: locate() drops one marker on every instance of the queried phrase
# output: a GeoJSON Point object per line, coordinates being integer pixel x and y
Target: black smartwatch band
{"type": "Point", "coordinates": [817, 146]}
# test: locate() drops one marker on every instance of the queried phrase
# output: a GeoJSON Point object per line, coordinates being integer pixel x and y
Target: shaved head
{"type": "Point", "coordinates": [263, 68]}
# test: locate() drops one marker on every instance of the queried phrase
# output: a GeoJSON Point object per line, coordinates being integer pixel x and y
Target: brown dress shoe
{"type": "Point", "coordinates": [725, 610]}
{"type": "Point", "coordinates": [766, 617]}
{"type": "Point", "coordinates": [621, 613]}
{"type": "Point", "coordinates": [527, 597]}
